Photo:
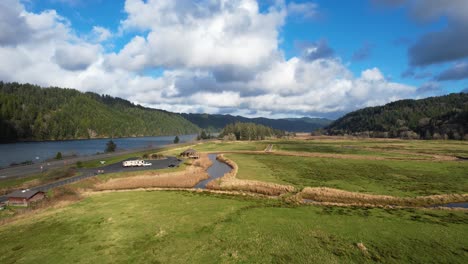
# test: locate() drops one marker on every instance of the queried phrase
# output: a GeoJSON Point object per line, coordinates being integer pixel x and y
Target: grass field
{"type": "Point", "coordinates": [385, 148]}
{"type": "Point", "coordinates": [175, 227]}
{"type": "Point", "coordinates": [392, 177]}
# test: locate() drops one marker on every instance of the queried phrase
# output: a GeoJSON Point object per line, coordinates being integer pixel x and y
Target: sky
{"type": "Point", "coordinates": [270, 58]}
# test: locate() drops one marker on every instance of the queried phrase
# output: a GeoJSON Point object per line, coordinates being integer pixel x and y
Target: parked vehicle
{"type": "Point", "coordinates": [136, 163]}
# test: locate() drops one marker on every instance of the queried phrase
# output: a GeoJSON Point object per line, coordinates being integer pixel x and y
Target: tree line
{"type": "Point", "coordinates": [29, 112]}
{"type": "Point", "coordinates": [443, 117]}
{"type": "Point", "coordinates": [249, 131]}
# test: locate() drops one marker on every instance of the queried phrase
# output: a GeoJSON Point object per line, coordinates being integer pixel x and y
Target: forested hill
{"type": "Point", "coordinates": [218, 122]}
{"type": "Point", "coordinates": [430, 118]}
{"type": "Point", "coordinates": [29, 112]}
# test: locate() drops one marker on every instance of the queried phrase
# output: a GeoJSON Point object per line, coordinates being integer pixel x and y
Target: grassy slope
{"type": "Point", "coordinates": [393, 177]}
{"type": "Point", "coordinates": [162, 227]}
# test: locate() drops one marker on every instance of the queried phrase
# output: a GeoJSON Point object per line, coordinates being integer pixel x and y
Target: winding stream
{"type": "Point", "coordinates": [217, 170]}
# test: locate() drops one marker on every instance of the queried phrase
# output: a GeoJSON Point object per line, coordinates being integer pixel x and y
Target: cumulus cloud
{"type": "Point", "coordinates": [76, 57]}
{"type": "Point", "coordinates": [217, 57]}
{"type": "Point", "coordinates": [448, 44]}
{"type": "Point", "coordinates": [316, 50]}
{"type": "Point", "coordinates": [13, 25]}
{"type": "Point", "coordinates": [457, 72]}
{"type": "Point", "coordinates": [190, 34]}
{"type": "Point", "coordinates": [438, 47]}
{"type": "Point", "coordinates": [100, 34]}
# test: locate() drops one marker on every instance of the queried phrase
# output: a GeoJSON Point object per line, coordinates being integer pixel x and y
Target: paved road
{"type": "Point", "coordinates": [24, 171]}
{"type": "Point", "coordinates": [113, 168]}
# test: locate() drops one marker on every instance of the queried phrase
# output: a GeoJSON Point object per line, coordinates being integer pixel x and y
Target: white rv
{"type": "Point", "coordinates": [135, 163]}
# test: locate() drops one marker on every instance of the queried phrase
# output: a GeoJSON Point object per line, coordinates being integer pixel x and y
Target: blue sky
{"type": "Point", "coordinates": [273, 59]}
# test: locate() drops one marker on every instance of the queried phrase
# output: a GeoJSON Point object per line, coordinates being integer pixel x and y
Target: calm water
{"type": "Point", "coordinates": [454, 205]}
{"type": "Point", "coordinates": [40, 151]}
{"type": "Point", "coordinates": [217, 170]}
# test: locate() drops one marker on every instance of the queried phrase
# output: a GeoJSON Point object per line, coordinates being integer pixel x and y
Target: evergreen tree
{"type": "Point", "coordinates": [176, 139]}
{"type": "Point", "coordinates": [29, 112]}
{"type": "Point", "coordinates": [110, 146]}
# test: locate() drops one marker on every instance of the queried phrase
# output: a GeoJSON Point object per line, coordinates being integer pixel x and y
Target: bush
{"type": "Point", "coordinates": [110, 146]}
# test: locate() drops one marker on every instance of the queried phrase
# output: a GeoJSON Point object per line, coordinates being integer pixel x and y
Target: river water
{"type": "Point", "coordinates": [40, 151]}
{"type": "Point", "coordinates": [217, 170]}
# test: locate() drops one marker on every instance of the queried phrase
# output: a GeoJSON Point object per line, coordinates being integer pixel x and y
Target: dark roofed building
{"type": "Point", "coordinates": [190, 153]}
{"type": "Point", "coordinates": [24, 197]}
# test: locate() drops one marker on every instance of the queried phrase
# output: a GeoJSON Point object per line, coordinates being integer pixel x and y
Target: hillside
{"type": "Point", "coordinates": [29, 112]}
{"type": "Point", "coordinates": [443, 117]}
{"type": "Point", "coordinates": [218, 122]}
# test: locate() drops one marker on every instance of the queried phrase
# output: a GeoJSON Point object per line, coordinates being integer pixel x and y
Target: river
{"type": "Point", "coordinates": [217, 170]}
{"type": "Point", "coordinates": [41, 151]}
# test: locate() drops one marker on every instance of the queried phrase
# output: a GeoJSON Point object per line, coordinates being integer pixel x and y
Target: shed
{"type": "Point", "coordinates": [190, 153]}
{"type": "Point", "coordinates": [24, 197]}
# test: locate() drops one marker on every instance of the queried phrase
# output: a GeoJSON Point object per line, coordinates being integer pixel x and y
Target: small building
{"type": "Point", "coordinates": [190, 153]}
{"type": "Point", "coordinates": [2, 205]}
{"type": "Point", "coordinates": [24, 197]}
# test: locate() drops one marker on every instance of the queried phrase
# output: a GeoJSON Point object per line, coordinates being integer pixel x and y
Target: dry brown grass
{"type": "Point", "coordinates": [193, 174]}
{"type": "Point", "coordinates": [329, 195]}
{"type": "Point", "coordinates": [229, 182]}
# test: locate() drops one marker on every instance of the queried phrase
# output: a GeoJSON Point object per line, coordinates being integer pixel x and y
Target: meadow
{"type": "Point", "coordinates": [390, 148]}
{"type": "Point", "coordinates": [391, 177]}
{"type": "Point", "coordinates": [206, 227]}
{"type": "Point", "coordinates": [182, 227]}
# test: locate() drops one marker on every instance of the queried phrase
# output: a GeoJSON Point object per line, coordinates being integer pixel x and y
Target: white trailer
{"type": "Point", "coordinates": [133, 163]}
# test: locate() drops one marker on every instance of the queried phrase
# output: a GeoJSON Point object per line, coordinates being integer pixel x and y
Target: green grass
{"type": "Point", "coordinates": [382, 148]}
{"type": "Point", "coordinates": [336, 148]}
{"type": "Point", "coordinates": [174, 227]}
{"type": "Point", "coordinates": [228, 146]}
{"type": "Point", "coordinates": [392, 177]}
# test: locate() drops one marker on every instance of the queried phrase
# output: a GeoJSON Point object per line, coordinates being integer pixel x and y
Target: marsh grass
{"type": "Point", "coordinates": [385, 177]}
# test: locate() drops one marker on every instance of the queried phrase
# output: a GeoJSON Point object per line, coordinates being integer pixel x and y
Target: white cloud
{"type": "Point", "coordinates": [189, 34]}
{"type": "Point", "coordinates": [100, 34]}
{"type": "Point", "coordinates": [306, 10]}
{"type": "Point", "coordinates": [218, 56]}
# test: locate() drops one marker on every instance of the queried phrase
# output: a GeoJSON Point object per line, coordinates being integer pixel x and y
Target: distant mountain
{"type": "Point", "coordinates": [218, 122]}
{"type": "Point", "coordinates": [29, 112]}
{"type": "Point", "coordinates": [431, 118]}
